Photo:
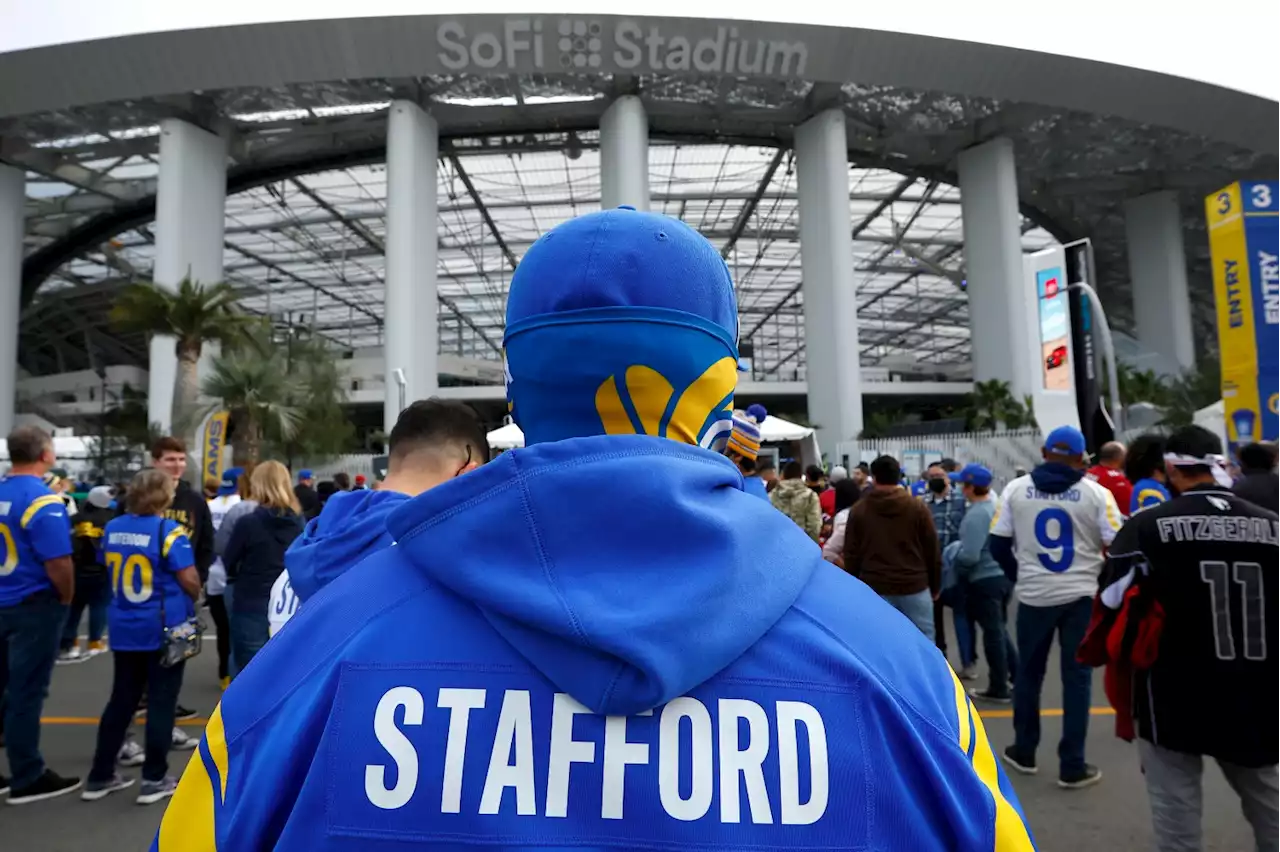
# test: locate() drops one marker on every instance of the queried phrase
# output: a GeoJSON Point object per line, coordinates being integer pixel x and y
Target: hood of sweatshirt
{"type": "Point", "coordinates": [889, 504]}
{"type": "Point", "coordinates": [352, 526]}
{"type": "Point", "coordinates": [620, 605]}
{"type": "Point", "coordinates": [1054, 478]}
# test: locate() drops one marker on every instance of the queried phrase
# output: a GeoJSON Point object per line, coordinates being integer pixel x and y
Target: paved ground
{"type": "Point", "coordinates": [1110, 817]}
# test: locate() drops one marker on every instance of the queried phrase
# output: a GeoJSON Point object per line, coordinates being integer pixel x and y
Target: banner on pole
{"type": "Point", "coordinates": [214, 459]}
{"type": "Point", "coordinates": [1094, 423]}
{"type": "Point", "coordinates": [1243, 242]}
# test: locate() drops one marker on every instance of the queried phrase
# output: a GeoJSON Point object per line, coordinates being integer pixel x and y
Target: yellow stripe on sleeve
{"type": "Point", "coordinates": [1113, 514]}
{"type": "Point", "coordinates": [188, 824]}
{"type": "Point", "coordinates": [962, 713]}
{"type": "Point", "coordinates": [177, 533]}
{"type": "Point", "coordinates": [37, 504]}
{"type": "Point", "coordinates": [1011, 834]}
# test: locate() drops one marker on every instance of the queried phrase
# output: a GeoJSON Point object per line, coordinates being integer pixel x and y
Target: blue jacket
{"type": "Point", "coordinates": [453, 690]}
{"type": "Point", "coordinates": [352, 525]}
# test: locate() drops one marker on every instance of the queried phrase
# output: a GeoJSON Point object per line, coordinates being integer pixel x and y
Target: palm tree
{"type": "Point", "coordinates": [257, 391]}
{"type": "Point", "coordinates": [192, 314]}
{"type": "Point", "coordinates": [990, 404]}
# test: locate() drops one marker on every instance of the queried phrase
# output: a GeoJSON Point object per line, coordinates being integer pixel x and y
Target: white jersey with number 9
{"type": "Point", "coordinates": [1057, 538]}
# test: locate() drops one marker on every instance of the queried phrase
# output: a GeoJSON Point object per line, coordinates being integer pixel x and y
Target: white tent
{"type": "Point", "coordinates": [773, 429]}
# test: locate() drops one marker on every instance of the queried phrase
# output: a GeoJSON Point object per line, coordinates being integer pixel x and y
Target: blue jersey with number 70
{"type": "Point", "coordinates": [143, 556]}
{"type": "Point", "coordinates": [1060, 523]}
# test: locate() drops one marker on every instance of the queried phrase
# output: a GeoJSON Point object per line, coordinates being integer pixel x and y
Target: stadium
{"type": "Point", "coordinates": [896, 203]}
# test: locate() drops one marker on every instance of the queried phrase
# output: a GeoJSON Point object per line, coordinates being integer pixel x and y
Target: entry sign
{"type": "Point", "coordinates": [1243, 241]}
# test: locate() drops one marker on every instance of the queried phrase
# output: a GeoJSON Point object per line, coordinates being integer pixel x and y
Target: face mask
{"type": "Point", "coordinates": [937, 486]}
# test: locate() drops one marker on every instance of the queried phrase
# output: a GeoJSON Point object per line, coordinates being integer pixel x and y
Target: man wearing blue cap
{"type": "Point", "coordinates": [306, 494]}
{"type": "Point", "coordinates": [986, 587]}
{"type": "Point", "coordinates": [1048, 535]}
{"type": "Point", "coordinates": [525, 669]}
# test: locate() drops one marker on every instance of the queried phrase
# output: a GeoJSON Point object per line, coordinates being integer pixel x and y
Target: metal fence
{"type": "Point", "coordinates": [1003, 452]}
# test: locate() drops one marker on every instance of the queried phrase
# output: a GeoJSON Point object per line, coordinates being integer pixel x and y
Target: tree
{"type": "Point", "coordinates": [255, 390]}
{"type": "Point", "coordinates": [1140, 386]}
{"type": "Point", "coordinates": [285, 397]}
{"type": "Point", "coordinates": [193, 314]}
{"type": "Point", "coordinates": [1192, 391]}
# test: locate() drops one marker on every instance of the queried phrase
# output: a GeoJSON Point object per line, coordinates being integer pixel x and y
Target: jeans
{"type": "Point", "coordinates": [93, 591]}
{"type": "Point", "coordinates": [1173, 785]}
{"type": "Point", "coordinates": [917, 607]}
{"type": "Point", "coordinates": [1036, 628]}
{"type": "Point", "coordinates": [956, 598]}
{"type": "Point", "coordinates": [137, 672]}
{"type": "Point", "coordinates": [249, 632]}
{"type": "Point", "coordinates": [30, 630]}
{"type": "Point", "coordinates": [218, 612]}
{"type": "Point", "coordinates": [985, 600]}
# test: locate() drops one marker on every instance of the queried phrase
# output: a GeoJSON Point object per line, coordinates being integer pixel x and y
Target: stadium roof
{"type": "Point", "coordinates": [306, 214]}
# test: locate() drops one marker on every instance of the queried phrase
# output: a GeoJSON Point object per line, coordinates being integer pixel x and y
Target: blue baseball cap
{"type": "Point", "coordinates": [305, 473]}
{"type": "Point", "coordinates": [1065, 441]}
{"type": "Point", "coordinates": [976, 474]}
{"type": "Point", "coordinates": [622, 322]}
{"type": "Point", "coordinates": [230, 477]}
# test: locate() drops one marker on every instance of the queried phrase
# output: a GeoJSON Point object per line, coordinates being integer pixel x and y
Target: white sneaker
{"type": "Point", "coordinates": [131, 754]}
{"type": "Point", "coordinates": [969, 673]}
{"type": "Point", "coordinates": [182, 742]}
{"type": "Point", "coordinates": [71, 655]}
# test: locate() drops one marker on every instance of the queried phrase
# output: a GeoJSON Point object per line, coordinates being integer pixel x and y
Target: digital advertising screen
{"type": "Point", "coordinates": [1055, 329]}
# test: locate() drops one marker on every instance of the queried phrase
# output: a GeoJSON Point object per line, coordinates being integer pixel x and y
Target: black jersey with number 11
{"type": "Point", "coordinates": [1209, 559]}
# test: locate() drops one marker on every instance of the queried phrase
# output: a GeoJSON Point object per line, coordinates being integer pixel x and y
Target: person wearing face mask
{"type": "Point", "coordinates": [947, 507]}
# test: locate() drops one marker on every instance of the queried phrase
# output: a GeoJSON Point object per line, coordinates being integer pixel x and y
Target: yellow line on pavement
{"type": "Point", "coordinates": [89, 720]}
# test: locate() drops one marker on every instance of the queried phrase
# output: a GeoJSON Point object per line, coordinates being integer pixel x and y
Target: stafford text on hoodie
{"type": "Point", "coordinates": [687, 674]}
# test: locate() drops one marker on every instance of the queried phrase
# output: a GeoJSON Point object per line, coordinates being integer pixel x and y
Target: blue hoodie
{"type": "Point", "coordinates": [453, 692]}
{"type": "Point", "coordinates": [352, 526]}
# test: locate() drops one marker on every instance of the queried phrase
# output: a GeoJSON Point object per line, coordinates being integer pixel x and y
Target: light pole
{"type": "Point", "coordinates": [400, 380]}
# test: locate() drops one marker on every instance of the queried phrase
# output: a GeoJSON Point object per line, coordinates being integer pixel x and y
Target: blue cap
{"type": "Point", "coordinates": [230, 477]}
{"type": "Point", "coordinates": [622, 322]}
{"type": "Point", "coordinates": [305, 473]}
{"type": "Point", "coordinates": [976, 474]}
{"type": "Point", "coordinates": [1065, 441]}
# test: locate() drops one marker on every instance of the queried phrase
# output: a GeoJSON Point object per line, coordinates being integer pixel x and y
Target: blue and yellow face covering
{"type": "Point", "coordinates": [622, 371]}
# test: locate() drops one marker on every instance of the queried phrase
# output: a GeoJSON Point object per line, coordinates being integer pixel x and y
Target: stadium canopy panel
{"type": "Point", "coordinates": [305, 215]}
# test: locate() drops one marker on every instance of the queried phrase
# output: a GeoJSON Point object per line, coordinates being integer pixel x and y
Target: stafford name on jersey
{"type": "Point", "coordinates": [515, 754]}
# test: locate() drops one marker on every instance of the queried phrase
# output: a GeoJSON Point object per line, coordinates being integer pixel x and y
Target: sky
{"type": "Point", "coordinates": [1194, 43]}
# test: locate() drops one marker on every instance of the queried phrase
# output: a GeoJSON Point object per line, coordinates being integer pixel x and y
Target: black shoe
{"type": "Point", "coordinates": [181, 712]}
{"type": "Point", "coordinates": [47, 786]}
{"type": "Point", "coordinates": [1016, 762]}
{"type": "Point", "coordinates": [1086, 777]}
{"type": "Point", "coordinates": [4, 784]}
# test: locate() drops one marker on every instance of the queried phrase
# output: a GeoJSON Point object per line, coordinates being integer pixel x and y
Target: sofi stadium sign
{"type": "Point", "coordinates": [585, 44]}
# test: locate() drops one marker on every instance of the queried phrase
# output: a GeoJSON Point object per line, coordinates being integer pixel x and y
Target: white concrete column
{"type": "Point", "coordinates": [12, 191]}
{"type": "Point", "coordinates": [191, 201]}
{"type": "Point", "coordinates": [409, 322]}
{"type": "Point", "coordinates": [1158, 272]}
{"type": "Point", "coordinates": [998, 292]}
{"type": "Point", "coordinates": [624, 155]}
{"type": "Point", "coordinates": [830, 295]}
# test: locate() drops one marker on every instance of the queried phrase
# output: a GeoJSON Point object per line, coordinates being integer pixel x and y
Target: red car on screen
{"type": "Point", "coordinates": [1050, 288]}
{"type": "Point", "coordinates": [1056, 358]}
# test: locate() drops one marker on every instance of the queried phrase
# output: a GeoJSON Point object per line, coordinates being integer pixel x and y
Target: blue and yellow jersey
{"type": "Point", "coordinates": [1147, 493]}
{"type": "Point", "coordinates": [142, 555]}
{"type": "Point", "coordinates": [34, 529]}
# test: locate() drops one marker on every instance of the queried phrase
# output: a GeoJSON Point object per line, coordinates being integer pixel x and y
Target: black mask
{"type": "Point", "coordinates": [937, 486]}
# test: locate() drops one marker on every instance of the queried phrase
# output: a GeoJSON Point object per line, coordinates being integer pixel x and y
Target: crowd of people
{"type": "Point", "coordinates": [477, 617]}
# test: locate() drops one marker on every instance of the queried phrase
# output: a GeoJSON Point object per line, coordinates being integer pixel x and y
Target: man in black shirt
{"type": "Point", "coordinates": [1258, 483]}
{"type": "Point", "coordinates": [189, 508]}
{"type": "Point", "coordinates": [1193, 583]}
{"type": "Point", "coordinates": [306, 494]}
